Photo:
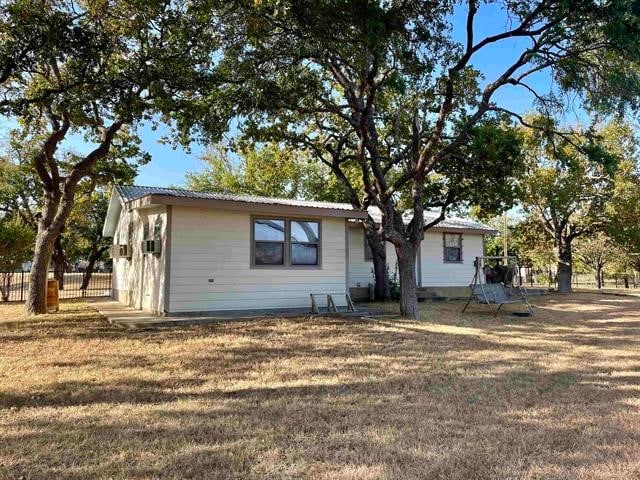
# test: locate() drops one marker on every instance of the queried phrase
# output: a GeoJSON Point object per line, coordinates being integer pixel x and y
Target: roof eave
{"type": "Point", "coordinates": [234, 205]}
{"type": "Point", "coordinates": [476, 231]}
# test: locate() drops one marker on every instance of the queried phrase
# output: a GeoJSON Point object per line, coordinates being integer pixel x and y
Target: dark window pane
{"type": "Point", "coordinates": [302, 254]}
{"type": "Point", "coordinates": [269, 230]}
{"type": "Point", "coordinates": [368, 254]}
{"type": "Point", "coordinates": [269, 253]}
{"type": "Point", "coordinates": [452, 254]}
{"type": "Point", "coordinates": [304, 232]}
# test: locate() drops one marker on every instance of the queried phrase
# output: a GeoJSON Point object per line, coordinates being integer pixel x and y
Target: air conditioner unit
{"type": "Point", "coordinates": [121, 251]}
{"type": "Point", "coordinates": [151, 246]}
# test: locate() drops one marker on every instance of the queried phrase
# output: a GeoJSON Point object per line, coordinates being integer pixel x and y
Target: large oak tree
{"type": "Point", "coordinates": [97, 69]}
{"type": "Point", "coordinates": [570, 183]}
{"type": "Point", "coordinates": [389, 86]}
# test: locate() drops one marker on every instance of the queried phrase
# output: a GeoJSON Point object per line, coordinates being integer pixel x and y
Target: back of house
{"type": "Point", "coordinates": [177, 251]}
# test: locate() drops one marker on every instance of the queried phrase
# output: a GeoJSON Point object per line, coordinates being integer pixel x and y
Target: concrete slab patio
{"type": "Point", "coordinates": [128, 317]}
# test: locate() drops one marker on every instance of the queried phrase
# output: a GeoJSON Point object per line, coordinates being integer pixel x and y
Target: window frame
{"type": "Point", "coordinates": [367, 258]}
{"type": "Point", "coordinates": [287, 243]}
{"type": "Point", "coordinates": [158, 225]}
{"type": "Point", "coordinates": [146, 230]}
{"type": "Point", "coordinates": [444, 247]}
{"type": "Point", "coordinates": [130, 227]}
{"type": "Point", "coordinates": [282, 242]}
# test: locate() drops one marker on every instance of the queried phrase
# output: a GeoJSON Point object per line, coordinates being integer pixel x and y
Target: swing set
{"type": "Point", "coordinates": [496, 282]}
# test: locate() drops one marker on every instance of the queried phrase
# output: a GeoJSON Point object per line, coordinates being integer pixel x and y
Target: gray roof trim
{"type": "Point", "coordinates": [133, 196]}
{"type": "Point", "coordinates": [448, 224]}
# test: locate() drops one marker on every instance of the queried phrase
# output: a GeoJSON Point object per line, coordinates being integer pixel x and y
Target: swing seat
{"type": "Point", "coordinates": [498, 294]}
{"type": "Point", "coordinates": [494, 293]}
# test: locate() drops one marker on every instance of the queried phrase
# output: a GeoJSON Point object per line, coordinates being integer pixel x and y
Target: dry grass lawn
{"type": "Point", "coordinates": [555, 396]}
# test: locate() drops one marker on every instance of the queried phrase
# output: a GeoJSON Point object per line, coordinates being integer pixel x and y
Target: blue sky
{"type": "Point", "coordinates": [169, 166]}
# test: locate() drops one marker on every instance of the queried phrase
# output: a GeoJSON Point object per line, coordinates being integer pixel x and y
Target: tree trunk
{"type": "Point", "coordinates": [599, 277]}
{"type": "Point", "coordinates": [565, 266]}
{"type": "Point", "coordinates": [382, 291]}
{"type": "Point", "coordinates": [88, 272]}
{"type": "Point", "coordinates": [5, 285]}
{"type": "Point", "coordinates": [59, 198]}
{"type": "Point", "coordinates": [408, 290]}
{"type": "Point", "coordinates": [59, 262]}
{"type": "Point", "coordinates": [37, 296]}
{"type": "Point", "coordinates": [55, 211]}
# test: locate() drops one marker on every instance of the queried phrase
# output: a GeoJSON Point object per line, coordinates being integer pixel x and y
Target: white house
{"type": "Point", "coordinates": [177, 251]}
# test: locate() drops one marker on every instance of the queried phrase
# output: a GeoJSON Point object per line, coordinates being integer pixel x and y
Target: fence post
{"type": "Point", "coordinates": [22, 286]}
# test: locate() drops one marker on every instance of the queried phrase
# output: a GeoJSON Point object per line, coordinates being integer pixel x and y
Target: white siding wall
{"type": "Point", "coordinates": [215, 244]}
{"type": "Point", "coordinates": [360, 271]}
{"type": "Point", "coordinates": [139, 282]}
{"type": "Point", "coordinates": [437, 273]}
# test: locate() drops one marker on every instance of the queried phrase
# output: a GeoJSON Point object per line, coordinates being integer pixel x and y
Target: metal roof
{"type": "Point", "coordinates": [129, 193]}
{"type": "Point", "coordinates": [449, 223]}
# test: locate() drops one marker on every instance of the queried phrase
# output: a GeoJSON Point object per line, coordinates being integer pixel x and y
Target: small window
{"type": "Point", "coordinates": [130, 233]}
{"type": "Point", "coordinates": [368, 254]}
{"type": "Point", "coordinates": [305, 240]}
{"type": "Point", "coordinates": [269, 238]}
{"type": "Point", "coordinates": [452, 247]}
{"type": "Point", "coordinates": [157, 228]}
{"type": "Point", "coordinates": [145, 231]}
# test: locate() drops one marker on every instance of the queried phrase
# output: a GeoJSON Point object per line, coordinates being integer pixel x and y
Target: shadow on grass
{"type": "Point", "coordinates": [554, 396]}
{"type": "Point", "coordinates": [401, 421]}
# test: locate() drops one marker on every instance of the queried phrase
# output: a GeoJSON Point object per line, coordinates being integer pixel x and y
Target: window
{"type": "Point", "coordinates": [285, 243]}
{"type": "Point", "coordinates": [157, 228]}
{"type": "Point", "coordinates": [145, 231]}
{"type": "Point", "coordinates": [269, 238]}
{"type": "Point", "coordinates": [452, 247]}
{"type": "Point", "coordinates": [305, 241]}
{"type": "Point", "coordinates": [368, 254]}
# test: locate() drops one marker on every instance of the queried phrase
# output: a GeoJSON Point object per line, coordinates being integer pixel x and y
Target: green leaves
{"type": "Point", "coordinates": [102, 60]}
{"type": "Point", "coordinates": [268, 170]}
{"type": "Point", "coordinates": [579, 184]}
{"type": "Point", "coordinates": [16, 241]}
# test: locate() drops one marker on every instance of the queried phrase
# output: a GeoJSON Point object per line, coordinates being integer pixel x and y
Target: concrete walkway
{"type": "Point", "coordinates": [127, 317]}
{"type": "Point", "coordinates": [118, 314]}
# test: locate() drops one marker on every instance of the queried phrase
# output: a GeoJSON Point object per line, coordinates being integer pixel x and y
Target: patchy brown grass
{"type": "Point", "coordinates": [452, 397]}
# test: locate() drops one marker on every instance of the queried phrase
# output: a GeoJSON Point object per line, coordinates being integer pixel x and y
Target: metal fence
{"type": "Point", "coordinates": [14, 286]}
{"type": "Point", "coordinates": [547, 279]}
